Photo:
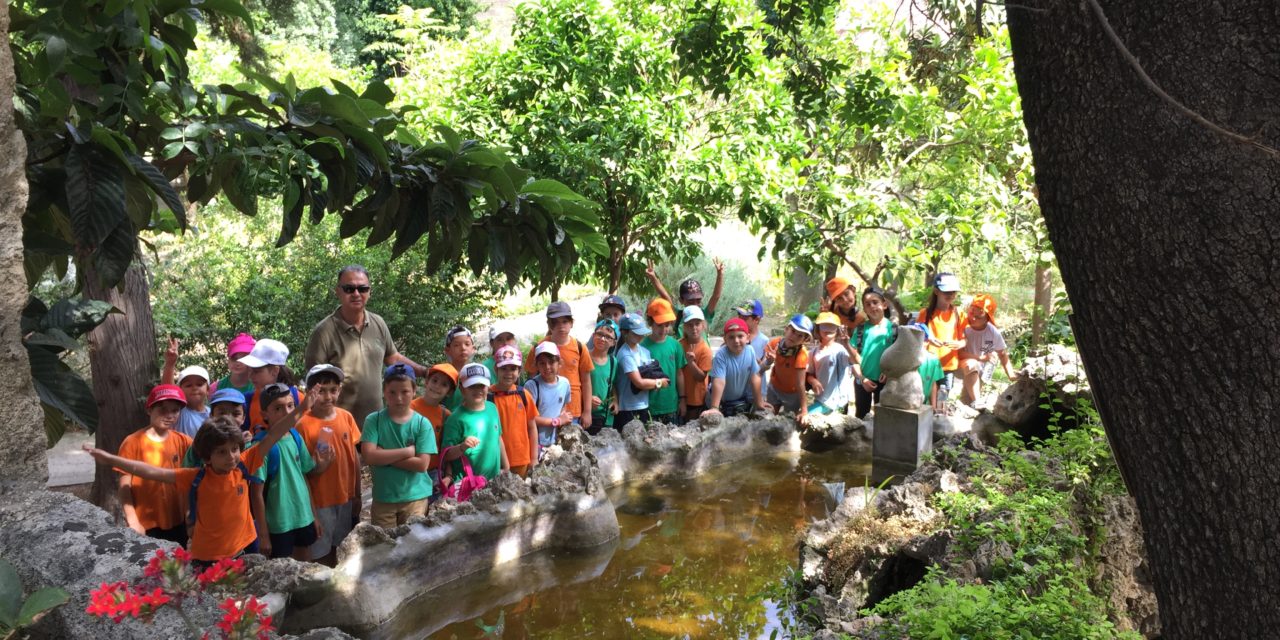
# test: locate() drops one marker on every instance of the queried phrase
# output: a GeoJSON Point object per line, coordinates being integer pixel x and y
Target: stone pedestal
{"type": "Point", "coordinates": [901, 438]}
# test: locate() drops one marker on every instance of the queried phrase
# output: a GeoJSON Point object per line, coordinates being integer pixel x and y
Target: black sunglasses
{"type": "Point", "coordinates": [352, 288]}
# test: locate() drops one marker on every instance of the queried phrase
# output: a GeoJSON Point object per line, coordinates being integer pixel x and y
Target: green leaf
{"type": "Point", "coordinates": [53, 338]}
{"type": "Point", "coordinates": [227, 7]}
{"type": "Point", "coordinates": [293, 205]}
{"type": "Point", "coordinates": [378, 91]}
{"type": "Point", "coordinates": [63, 389]}
{"type": "Point", "coordinates": [158, 184]}
{"type": "Point", "coordinates": [553, 188]}
{"type": "Point", "coordinates": [40, 603]}
{"type": "Point", "coordinates": [55, 425]}
{"type": "Point", "coordinates": [75, 317]}
{"type": "Point", "coordinates": [450, 136]}
{"type": "Point", "coordinates": [55, 49]}
{"type": "Point", "coordinates": [10, 594]}
{"type": "Point", "coordinates": [95, 195]}
{"type": "Point", "coordinates": [115, 254]}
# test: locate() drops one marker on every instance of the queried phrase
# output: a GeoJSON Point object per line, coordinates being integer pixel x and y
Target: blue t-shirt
{"type": "Point", "coordinates": [735, 371]}
{"type": "Point", "coordinates": [631, 359]}
{"type": "Point", "coordinates": [189, 421]}
{"type": "Point", "coordinates": [550, 398]}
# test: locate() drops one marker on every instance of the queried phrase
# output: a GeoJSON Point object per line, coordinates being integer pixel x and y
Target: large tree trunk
{"type": "Point", "coordinates": [1166, 235]}
{"type": "Point", "coordinates": [22, 458]}
{"type": "Point", "coordinates": [803, 288]}
{"type": "Point", "coordinates": [122, 359]}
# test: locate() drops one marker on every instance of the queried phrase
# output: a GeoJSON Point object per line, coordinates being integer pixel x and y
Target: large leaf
{"type": "Point", "coordinates": [55, 426]}
{"type": "Point", "coordinates": [113, 257]}
{"type": "Point", "coordinates": [292, 213]}
{"type": "Point", "coordinates": [95, 195]}
{"type": "Point", "coordinates": [62, 389]}
{"type": "Point", "coordinates": [10, 594]}
{"type": "Point", "coordinates": [157, 183]}
{"type": "Point", "coordinates": [75, 317]}
{"type": "Point", "coordinates": [551, 188]}
{"type": "Point", "coordinates": [40, 603]}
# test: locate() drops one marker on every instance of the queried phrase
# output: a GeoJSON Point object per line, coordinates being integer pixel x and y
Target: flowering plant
{"type": "Point", "coordinates": [171, 579]}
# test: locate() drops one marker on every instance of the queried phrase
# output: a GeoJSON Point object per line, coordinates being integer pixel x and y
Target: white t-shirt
{"type": "Point", "coordinates": [983, 342]}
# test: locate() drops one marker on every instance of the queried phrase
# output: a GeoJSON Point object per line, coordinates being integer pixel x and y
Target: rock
{"type": "Point", "coordinates": [899, 363]}
{"type": "Point", "coordinates": [1123, 574]}
{"type": "Point", "coordinates": [987, 427]}
{"type": "Point", "coordinates": [22, 459]}
{"type": "Point", "coordinates": [826, 432]}
{"type": "Point", "coordinates": [910, 499]}
{"type": "Point", "coordinates": [1019, 404]}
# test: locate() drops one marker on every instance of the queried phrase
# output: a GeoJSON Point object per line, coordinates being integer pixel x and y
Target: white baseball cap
{"type": "Point", "coordinates": [498, 329]}
{"type": "Point", "coordinates": [267, 352]}
{"type": "Point", "coordinates": [547, 348]}
{"type": "Point", "coordinates": [194, 370]}
{"type": "Point", "coordinates": [691, 313]}
{"type": "Point", "coordinates": [322, 368]}
{"type": "Point", "coordinates": [473, 374]}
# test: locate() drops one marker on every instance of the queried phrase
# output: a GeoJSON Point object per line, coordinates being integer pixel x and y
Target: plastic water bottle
{"type": "Point", "coordinates": [988, 369]}
{"type": "Point", "coordinates": [324, 444]}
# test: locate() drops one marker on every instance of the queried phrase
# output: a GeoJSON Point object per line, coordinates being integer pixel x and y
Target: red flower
{"type": "Point", "coordinates": [245, 619]}
{"type": "Point", "coordinates": [117, 601]}
{"type": "Point", "coordinates": [226, 572]}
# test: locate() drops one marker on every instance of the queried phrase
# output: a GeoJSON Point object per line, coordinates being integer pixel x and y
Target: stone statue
{"type": "Point", "coordinates": [899, 364]}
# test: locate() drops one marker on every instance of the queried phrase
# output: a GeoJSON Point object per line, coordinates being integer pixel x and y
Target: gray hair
{"type": "Point", "coordinates": [352, 268]}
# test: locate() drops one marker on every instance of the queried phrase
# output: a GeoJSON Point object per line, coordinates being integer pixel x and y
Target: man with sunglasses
{"type": "Point", "coordinates": [357, 341]}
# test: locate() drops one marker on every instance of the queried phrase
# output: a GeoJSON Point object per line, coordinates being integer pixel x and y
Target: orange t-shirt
{"type": "Point", "coordinates": [224, 524]}
{"type": "Point", "coordinates": [785, 367]}
{"type": "Point", "coordinates": [515, 424]}
{"type": "Point", "coordinates": [157, 503]}
{"type": "Point", "coordinates": [436, 415]}
{"type": "Point", "coordinates": [337, 485]}
{"type": "Point", "coordinates": [946, 324]}
{"type": "Point", "coordinates": [255, 412]}
{"type": "Point", "coordinates": [575, 361]}
{"type": "Point", "coordinates": [696, 390]}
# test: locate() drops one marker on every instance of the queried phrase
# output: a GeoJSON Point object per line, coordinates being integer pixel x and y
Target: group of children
{"type": "Point", "coordinates": [251, 463]}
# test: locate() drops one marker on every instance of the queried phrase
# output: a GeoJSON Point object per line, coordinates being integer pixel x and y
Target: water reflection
{"type": "Point", "coordinates": [692, 561]}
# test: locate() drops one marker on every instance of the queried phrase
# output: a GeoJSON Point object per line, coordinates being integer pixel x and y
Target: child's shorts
{"type": "Point", "coordinates": [283, 544]}
{"type": "Point", "coordinates": [335, 524]}
{"type": "Point", "coordinates": [788, 401]}
{"type": "Point", "coordinates": [391, 514]}
{"type": "Point", "coordinates": [546, 436]}
{"type": "Point", "coordinates": [437, 491]}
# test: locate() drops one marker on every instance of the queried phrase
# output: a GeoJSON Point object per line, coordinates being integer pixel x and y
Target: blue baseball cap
{"type": "Point", "coordinates": [226, 395]}
{"type": "Point", "coordinates": [613, 301]}
{"type": "Point", "coordinates": [634, 323]}
{"type": "Point", "coordinates": [751, 308]}
{"type": "Point", "coordinates": [399, 369]}
{"type": "Point", "coordinates": [800, 322]}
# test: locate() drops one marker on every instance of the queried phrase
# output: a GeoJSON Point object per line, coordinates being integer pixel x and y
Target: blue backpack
{"type": "Point", "coordinates": [272, 461]}
{"type": "Point", "coordinates": [195, 484]}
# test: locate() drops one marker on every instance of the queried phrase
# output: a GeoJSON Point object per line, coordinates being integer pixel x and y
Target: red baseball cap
{"type": "Point", "coordinates": [162, 392]}
{"type": "Point", "coordinates": [735, 324]}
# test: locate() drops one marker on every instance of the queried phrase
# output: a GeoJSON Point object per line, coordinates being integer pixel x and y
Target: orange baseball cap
{"type": "Point", "coordinates": [661, 312]}
{"type": "Point", "coordinates": [986, 303]}
{"type": "Point", "coordinates": [447, 369]}
{"type": "Point", "coordinates": [836, 286]}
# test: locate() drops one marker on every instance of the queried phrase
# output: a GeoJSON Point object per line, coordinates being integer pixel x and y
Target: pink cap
{"type": "Point", "coordinates": [507, 355]}
{"type": "Point", "coordinates": [242, 343]}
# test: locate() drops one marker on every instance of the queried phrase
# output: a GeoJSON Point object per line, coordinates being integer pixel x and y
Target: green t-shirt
{"type": "Point", "coordinates": [930, 374]}
{"type": "Point", "coordinates": [486, 457]}
{"type": "Point", "coordinates": [670, 356]}
{"type": "Point", "coordinates": [602, 378]}
{"type": "Point", "coordinates": [871, 343]}
{"type": "Point", "coordinates": [225, 383]}
{"type": "Point", "coordinates": [286, 494]}
{"type": "Point", "coordinates": [493, 372]}
{"type": "Point", "coordinates": [392, 484]}
{"type": "Point", "coordinates": [709, 316]}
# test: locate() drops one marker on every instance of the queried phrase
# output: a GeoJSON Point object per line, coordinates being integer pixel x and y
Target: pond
{"type": "Point", "coordinates": [696, 558]}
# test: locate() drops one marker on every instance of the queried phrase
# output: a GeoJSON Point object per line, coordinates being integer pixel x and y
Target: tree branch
{"type": "Point", "coordinates": [1155, 88]}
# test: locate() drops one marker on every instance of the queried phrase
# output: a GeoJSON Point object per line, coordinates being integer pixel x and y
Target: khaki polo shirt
{"type": "Point", "coordinates": [360, 353]}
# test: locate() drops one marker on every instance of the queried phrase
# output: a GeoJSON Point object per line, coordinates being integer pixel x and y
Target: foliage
{"type": "Point", "coordinates": [590, 93]}
{"type": "Point", "coordinates": [903, 130]}
{"type": "Point", "coordinates": [245, 284]}
{"type": "Point", "coordinates": [365, 29]}
{"type": "Point", "coordinates": [1057, 329]}
{"type": "Point", "coordinates": [170, 580]}
{"type": "Point", "coordinates": [18, 613]}
{"type": "Point", "coordinates": [1024, 501]}
{"type": "Point", "coordinates": [105, 139]}
{"type": "Point", "coordinates": [49, 334]}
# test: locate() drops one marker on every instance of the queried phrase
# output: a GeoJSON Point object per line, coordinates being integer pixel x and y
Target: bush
{"type": "Point", "coordinates": [227, 277]}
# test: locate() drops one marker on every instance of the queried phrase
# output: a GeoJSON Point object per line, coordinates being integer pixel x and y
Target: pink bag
{"type": "Point", "coordinates": [461, 490]}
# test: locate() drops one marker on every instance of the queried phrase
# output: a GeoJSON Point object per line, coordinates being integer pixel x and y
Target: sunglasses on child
{"type": "Point", "coordinates": [352, 288]}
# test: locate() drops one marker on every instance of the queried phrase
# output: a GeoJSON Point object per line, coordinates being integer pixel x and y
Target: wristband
{"type": "Point", "coordinates": [555, 422]}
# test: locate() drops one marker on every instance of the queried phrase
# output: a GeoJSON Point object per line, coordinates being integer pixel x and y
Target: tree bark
{"type": "Point", "coordinates": [1042, 305]}
{"type": "Point", "coordinates": [802, 288]}
{"type": "Point", "coordinates": [122, 360]}
{"type": "Point", "coordinates": [1166, 233]}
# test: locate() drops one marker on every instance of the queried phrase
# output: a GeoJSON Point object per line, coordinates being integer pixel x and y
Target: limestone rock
{"type": "Point", "coordinates": [905, 355]}
{"type": "Point", "coordinates": [22, 460]}
{"type": "Point", "coordinates": [1123, 573]}
{"type": "Point", "coordinates": [826, 432]}
{"type": "Point", "coordinates": [1019, 404]}
{"type": "Point", "coordinates": [903, 392]}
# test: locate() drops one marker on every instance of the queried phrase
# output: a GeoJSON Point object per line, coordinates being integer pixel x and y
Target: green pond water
{"type": "Point", "coordinates": [696, 559]}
